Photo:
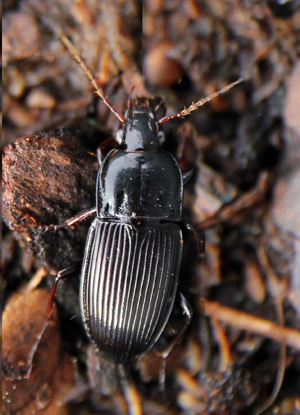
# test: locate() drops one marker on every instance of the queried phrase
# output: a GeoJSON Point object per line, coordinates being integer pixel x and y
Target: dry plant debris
{"type": "Point", "coordinates": [244, 149]}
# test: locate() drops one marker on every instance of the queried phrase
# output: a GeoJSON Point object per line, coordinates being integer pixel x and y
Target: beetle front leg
{"type": "Point", "coordinates": [187, 176]}
{"type": "Point", "coordinates": [104, 148]}
{"type": "Point", "coordinates": [187, 309]}
{"type": "Point", "coordinates": [68, 223]}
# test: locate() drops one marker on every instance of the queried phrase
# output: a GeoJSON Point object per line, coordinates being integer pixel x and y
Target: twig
{"type": "Point", "coordinates": [244, 321]}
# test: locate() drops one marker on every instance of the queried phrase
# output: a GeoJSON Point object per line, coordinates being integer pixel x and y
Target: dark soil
{"type": "Point", "coordinates": [244, 149]}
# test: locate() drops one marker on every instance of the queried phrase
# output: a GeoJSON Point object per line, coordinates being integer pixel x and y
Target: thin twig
{"type": "Point", "coordinates": [244, 321]}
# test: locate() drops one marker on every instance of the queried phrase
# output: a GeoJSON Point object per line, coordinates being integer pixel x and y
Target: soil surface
{"type": "Point", "coordinates": [240, 354]}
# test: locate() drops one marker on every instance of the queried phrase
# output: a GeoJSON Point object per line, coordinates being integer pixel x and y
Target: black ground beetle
{"type": "Point", "coordinates": [133, 251]}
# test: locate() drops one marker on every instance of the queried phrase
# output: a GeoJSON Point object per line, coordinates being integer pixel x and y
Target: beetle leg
{"type": "Point", "coordinates": [68, 223]}
{"type": "Point", "coordinates": [104, 148]}
{"type": "Point", "coordinates": [130, 392]}
{"type": "Point", "coordinates": [60, 276]}
{"type": "Point", "coordinates": [187, 309]}
{"type": "Point", "coordinates": [100, 156]}
{"type": "Point", "coordinates": [199, 239]}
{"type": "Point", "coordinates": [64, 273]}
{"type": "Point", "coordinates": [187, 175]}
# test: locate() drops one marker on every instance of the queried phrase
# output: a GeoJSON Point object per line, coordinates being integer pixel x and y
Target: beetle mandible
{"type": "Point", "coordinates": [133, 250]}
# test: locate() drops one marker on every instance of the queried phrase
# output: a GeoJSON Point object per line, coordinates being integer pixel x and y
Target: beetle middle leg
{"type": "Point", "coordinates": [164, 353]}
{"type": "Point", "coordinates": [198, 239]}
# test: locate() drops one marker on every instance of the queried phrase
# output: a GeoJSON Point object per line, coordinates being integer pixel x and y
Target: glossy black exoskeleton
{"type": "Point", "coordinates": [133, 250]}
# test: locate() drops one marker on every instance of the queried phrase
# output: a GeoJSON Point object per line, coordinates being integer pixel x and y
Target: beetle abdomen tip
{"type": "Point", "coordinates": [128, 286]}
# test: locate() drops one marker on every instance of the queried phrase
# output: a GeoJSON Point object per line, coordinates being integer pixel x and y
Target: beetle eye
{"type": "Point", "coordinates": [161, 137]}
{"type": "Point", "coordinates": [119, 136]}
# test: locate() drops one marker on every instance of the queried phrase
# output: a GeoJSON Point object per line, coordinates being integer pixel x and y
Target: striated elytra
{"type": "Point", "coordinates": [133, 250]}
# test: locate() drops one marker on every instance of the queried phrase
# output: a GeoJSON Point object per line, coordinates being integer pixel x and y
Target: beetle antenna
{"type": "Point", "coordinates": [199, 104]}
{"type": "Point", "coordinates": [98, 90]}
{"type": "Point", "coordinates": [158, 105]}
{"type": "Point", "coordinates": [129, 103]}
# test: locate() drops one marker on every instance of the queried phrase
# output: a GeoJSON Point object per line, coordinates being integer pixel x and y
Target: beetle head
{"type": "Point", "coordinates": [141, 129]}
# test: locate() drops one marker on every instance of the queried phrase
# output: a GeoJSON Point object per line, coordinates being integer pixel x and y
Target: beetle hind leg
{"type": "Point", "coordinates": [130, 391]}
{"type": "Point", "coordinates": [65, 273]}
{"type": "Point", "coordinates": [164, 353]}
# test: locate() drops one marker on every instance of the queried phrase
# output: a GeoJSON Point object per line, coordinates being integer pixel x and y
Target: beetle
{"type": "Point", "coordinates": [133, 251]}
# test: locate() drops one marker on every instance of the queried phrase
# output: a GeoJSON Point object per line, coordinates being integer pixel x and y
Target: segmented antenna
{"type": "Point", "coordinates": [98, 90]}
{"type": "Point", "coordinates": [199, 104]}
